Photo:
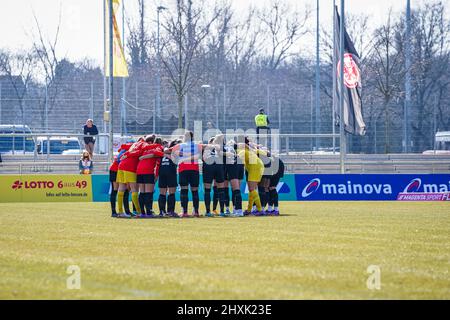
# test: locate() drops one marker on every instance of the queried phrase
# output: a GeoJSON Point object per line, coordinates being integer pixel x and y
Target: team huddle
{"type": "Point", "coordinates": [150, 160]}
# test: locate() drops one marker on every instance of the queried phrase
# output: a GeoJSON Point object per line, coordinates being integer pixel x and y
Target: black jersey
{"type": "Point", "coordinates": [282, 168]}
{"type": "Point", "coordinates": [279, 167]}
{"type": "Point", "coordinates": [167, 166]}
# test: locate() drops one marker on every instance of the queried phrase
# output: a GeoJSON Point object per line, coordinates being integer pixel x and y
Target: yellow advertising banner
{"type": "Point", "coordinates": [45, 188]}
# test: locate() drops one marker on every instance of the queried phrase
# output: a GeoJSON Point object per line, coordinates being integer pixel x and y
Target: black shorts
{"type": "Point", "coordinates": [234, 171]}
{"type": "Point", "coordinates": [213, 172]}
{"type": "Point", "coordinates": [145, 178]}
{"type": "Point", "coordinates": [274, 180]}
{"type": "Point", "coordinates": [167, 180]}
{"type": "Point", "coordinates": [189, 177]}
{"type": "Point", "coordinates": [89, 140]}
{"type": "Point", "coordinates": [112, 176]}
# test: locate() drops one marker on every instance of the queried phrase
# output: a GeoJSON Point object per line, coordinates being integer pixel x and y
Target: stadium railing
{"type": "Point", "coordinates": [21, 154]}
{"type": "Point", "coordinates": [297, 161]}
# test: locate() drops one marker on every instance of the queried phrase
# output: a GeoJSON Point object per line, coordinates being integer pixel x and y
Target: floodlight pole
{"type": "Point", "coordinates": [407, 77]}
{"type": "Point", "coordinates": [342, 142]}
{"type": "Point", "coordinates": [333, 125]}
{"type": "Point", "coordinates": [318, 120]}
{"type": "Point", "coordinates": [158, 77]}
{"type": "Point", "coordinates": [111, 81]}
{"type": "Point", "coordinates": [105, 94]}
{"type": "Point", "coordinates": [123, 114]}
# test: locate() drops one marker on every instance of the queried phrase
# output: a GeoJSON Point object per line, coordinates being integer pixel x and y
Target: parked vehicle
{"type": "Point", "coordinates": [441, 143]}
{"type": "Point", "coordinates": [16, 144]}
{"type": "Point", "coordinates": [58, 145]}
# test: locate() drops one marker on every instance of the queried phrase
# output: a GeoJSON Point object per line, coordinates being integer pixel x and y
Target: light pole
{"type": "Point", "coordinates": [407, 77]}
{"type": "Point", "coordinates": [342, 142]}
{"type": "Point", "coordinates": [111, 82]}
{"type": "Point", "coordinates": [333, 123]}
{"type": "Point", "coordinates": [204, 87]}
{"type": "Point", "coordinates": [123, 114]}
{"type": "Point", "coordinates": [318, 120]}
{"type": "Point", "coordinates": [158, 78]}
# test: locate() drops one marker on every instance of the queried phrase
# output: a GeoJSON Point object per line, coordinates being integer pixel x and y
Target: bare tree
{"type": "Point", "coordinates": [245, 45]}
{"type": "Point", "coordinates": [430, 68]}
{"type": "Point", "coordinates": [139, 41]}
{"type": "Point", "coordinates": [386, 67]}
{"type": "Point", "coordinates": [217, 51]}
{"type": "Point", "coordinates": [284, 27]}
{"type": "Point", "coordinates": [186, 30]}
{"type": "Point", "coordinates": [19, 68]}
{"type": "Point", "coordinates": [48, 60]}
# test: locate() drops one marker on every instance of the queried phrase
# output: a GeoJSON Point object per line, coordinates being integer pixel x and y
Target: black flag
{"type": "Point", "coordinates": [353, 119]}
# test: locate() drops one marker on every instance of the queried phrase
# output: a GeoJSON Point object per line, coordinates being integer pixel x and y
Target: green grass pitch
{"type": "Point", "coordinates": [316, 250]}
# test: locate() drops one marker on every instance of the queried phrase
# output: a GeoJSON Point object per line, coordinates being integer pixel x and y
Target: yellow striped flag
{"type": "Point", "coordinates": [120, 68]}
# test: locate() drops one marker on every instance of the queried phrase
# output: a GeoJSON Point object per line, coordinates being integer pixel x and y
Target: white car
{"type": "Point", "coordinates": [72, 152]}
{"type": "Point", "coordinates": [58, 145]}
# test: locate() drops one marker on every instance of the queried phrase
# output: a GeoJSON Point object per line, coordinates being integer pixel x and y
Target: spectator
{"type": "Point", "coordinates": [90, 130]}
{"type": "Point", "coordinates": [86, 165]}
{"type": "Point", "coordinates": [262, 124]}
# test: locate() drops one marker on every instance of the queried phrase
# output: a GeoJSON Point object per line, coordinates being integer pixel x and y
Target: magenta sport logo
{"type": "Point", "coordinates": [311, 187]}
{"type": "Point", "coordinates": [413, 186]}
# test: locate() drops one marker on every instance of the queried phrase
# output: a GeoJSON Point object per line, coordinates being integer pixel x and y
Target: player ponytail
{"type": "Point", "coordinates": [188, 136]}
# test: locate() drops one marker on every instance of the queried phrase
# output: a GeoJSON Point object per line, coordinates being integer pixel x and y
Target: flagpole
{"type": "Point", "coordinates": [333, 125]}
{"type": "Point", "coordinates": [123, 115]}
{"type": "Point", "coordinates": [342, 142]}
{"type": "Point", "coordinates": [111, 81]}
{"type": "Point", "coordinates": [318, 120]}
{"type": "Point", "coordinates": [407, 76]}
{"type": "Point", "coordinates": [104, 66]}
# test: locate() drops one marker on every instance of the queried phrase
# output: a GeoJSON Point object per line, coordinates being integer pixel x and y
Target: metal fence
{"type": "Point", "coordinates": [40, 156]}
{"type": "Point", "coordinates": [46, 144]}
{"type": "Point", "coordinates": [65, 108]}
{"type": "Point", "coordinates": [49, 153]}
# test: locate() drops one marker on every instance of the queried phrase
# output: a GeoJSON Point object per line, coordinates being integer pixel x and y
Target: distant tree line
{"type": "Point", "coordinates": [243, 57]}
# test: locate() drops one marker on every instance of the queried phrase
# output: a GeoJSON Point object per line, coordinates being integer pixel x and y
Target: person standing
{"type": "Point", "coordinates": [115, 185]}
{"type": "Point", "coordinates": [188, 153]}
{"type": "Point", "coordinates": [255, 170]}
{"type": "Point", "coordinates": [127, 177]}
{"type": "Point", "coordinates": [262, 124]}
{"type": "Point", "coordinates": [234, 173]}
{"type": "Point", "coordinates": [147, 173]}
{"type": "Point", "coordinates": [90, 130]}
{"type": "Point", "coordinates": [114, 167]}
{"type": "Point", "coordinates": [274, 180]}
{"type": "Point", "coordinates": [168, 183]}
{"type": "Point", "coordinates": [213, 170]}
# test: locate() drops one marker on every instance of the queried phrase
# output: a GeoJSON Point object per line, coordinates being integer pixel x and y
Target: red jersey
{"type": "Point", "coordinates": [131, 161]}
{"type": "Point", "coordinates": [150, 165]}
{"type": "Point", "coordinates": [115, 165]}
{"type": "Point", "coordinates": [125, 146]}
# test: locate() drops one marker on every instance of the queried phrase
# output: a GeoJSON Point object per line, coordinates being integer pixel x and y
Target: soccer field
{"type": "Point", "coordinates": [316, 250]}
